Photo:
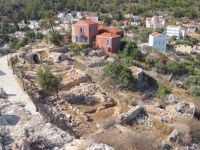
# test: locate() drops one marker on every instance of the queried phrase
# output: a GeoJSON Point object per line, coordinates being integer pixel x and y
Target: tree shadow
{"type": "Point", "coordinates": [2, 73]}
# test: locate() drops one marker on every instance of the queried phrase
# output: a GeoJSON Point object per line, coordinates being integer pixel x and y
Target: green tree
{"type": "Point", "coordinates": [107, 20]}
{"type": "Point", "coordinates": [48, 81]}
{"type": "Point", "coordinates": [49, 19]}
{"type": "Point", "coordinates": [119, 74]}
{"type": "Point", "coordinates": [130, 50]}
{"type": "Point", "coordinates": [30, 34]}
{"type": "Point", "coordinates": [118, 16]}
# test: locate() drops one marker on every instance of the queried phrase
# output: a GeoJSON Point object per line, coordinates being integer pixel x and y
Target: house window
{"type": "Point", "coordinates": [107, 43]}
{"type": "Point", "coordinates": [81, 31]}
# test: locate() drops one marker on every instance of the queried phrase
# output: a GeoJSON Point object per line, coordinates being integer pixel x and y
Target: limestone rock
{"type": "Point", "coordinates": [131, 115]}
{"type": "Point", "coordinates": [173, 136]}
{"type": "Point", "coordinates": [99, 147]}
{"type": "Point", "coordinates": [165, 146]}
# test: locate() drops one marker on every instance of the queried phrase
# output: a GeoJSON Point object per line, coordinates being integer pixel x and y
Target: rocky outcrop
{"type": "Point", "coordinates": [86, 145]}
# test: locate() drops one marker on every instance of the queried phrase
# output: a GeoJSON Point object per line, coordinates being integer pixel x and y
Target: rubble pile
{"type": "Point", "coordinates": [86, 145]}
{"type": "Point", "coordinates": [73, 78]}
{"type": "Point", "coordinates": [22, 129]}
{"type": "Point", "coordinates": [95, 61]}
{"type": "Point", "coordinates": [85, 91]}
{"type": "Point", "coordinates": [181, 107]}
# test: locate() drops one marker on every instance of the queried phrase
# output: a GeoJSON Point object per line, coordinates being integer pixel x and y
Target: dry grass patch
{"type": "Point", "coordinates": [161, 130]}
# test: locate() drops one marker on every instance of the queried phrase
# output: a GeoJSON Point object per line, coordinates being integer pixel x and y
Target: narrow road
{"type": "Point", "coordinates": [10, 84]}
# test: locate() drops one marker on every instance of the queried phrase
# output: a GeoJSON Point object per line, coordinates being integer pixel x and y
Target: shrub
{"type": "Point", "coordinates": [176, 68]}
{"type": "Point", "coordinates": [150, 61]}
{"type": "Point", "coordinates": [119, 74]}
{"type": "Point", "coordinates": [47, 80]}
{"type": "Point", "coordinates": [130, 50]}
{"type": "Point", "coordinates": [16, 44]}
{"type": "Point", "coordinates": [161, 68]}
{"type": "Point", "coordinates": [191, 81]}
{"type": "Point", "coordinates": [194, 90]}
{"type": "Point", "coordinates": [39, 35]}
{"type": "Point", "coordinates": [163, 91]}
{"type": "Point", "coordinates": [30, 34]}
{"type": "Point", "coordinates": [55, 38]}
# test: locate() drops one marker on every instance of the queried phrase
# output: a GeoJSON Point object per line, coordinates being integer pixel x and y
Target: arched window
{"type": "Point", "coordinates": [81, 31]}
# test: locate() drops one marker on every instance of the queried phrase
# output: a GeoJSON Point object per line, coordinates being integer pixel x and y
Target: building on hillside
{"type": "Point", "coordinates": [108, 42]}
{"type": "Point", "coordinates": [84, 32]}
{"type": "Point", "coordinates": [89, 32]}
{"type": "Point", "coordinates": [128, 16]}
{"type": "Point", "coordinates": [155, 22]}
{"type": "Point", "coordinates": [136, 21]}
{"type": "Point", "coordinates": [34, 25]}
{"type": "Point", "coordinates": [158, 41]}
{"type": "Point", "coordinates": [190, 28]}
{"type": "Point", "coordinates": [177, 31]}
{"type": "Point", "coordinates": [93, 16]}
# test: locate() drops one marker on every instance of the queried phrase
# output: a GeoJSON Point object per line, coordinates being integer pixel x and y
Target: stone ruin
{"type": "Point", "coordinates": [131, 115]}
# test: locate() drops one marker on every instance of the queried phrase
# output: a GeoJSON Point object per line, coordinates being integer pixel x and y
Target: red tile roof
{"type": "Point", "coordinates": [114, 30]}
{"type": "Point", "coordinates": [155, 34]}
{"type": "Point", "coordinates": [105, 34]}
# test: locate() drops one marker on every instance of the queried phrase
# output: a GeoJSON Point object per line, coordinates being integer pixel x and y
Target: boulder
{"type": "Point", "coordinates": [165, 146]}
{"type": "Point", "coordinates": [173, 136]}
{"type": "Point", "coordinates": [131, 115]}
{"type": "Point", "coordinates": [3, 121]}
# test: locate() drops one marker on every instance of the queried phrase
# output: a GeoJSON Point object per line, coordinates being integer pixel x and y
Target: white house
{"type": "Point", "coordinates": [94, 18]}
{"type": "Point", "coordinates": [136, 21]}
{"type": "Point", "coordinates": [155, 22]}
{"type": "Point", "coordinates": [158, 41]}
{"type": "Point", "coordinates": [61, 15]}
{"type": "Point", "coordinates": [177, 31]}
{"type": "Point", "coordinates": [34, 25]}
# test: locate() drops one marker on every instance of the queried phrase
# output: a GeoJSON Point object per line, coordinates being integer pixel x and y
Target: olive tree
{"type": "Point", "coordinates": [48, 81]}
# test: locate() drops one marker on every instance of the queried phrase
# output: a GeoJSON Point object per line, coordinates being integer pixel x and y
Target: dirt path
{"type": "Point", "coordinates": [12, 87]}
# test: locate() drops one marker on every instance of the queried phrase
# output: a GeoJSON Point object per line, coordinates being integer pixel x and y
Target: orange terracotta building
{"type": "Point", "coordinates": [108, 42]}
{"type": "Point", "coordinates": [89, 32]}
{"type": "Point", "coordinates": [84, 32]}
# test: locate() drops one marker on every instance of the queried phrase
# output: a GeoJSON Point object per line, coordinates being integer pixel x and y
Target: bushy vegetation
{"type": "Point", "coordinates": [47, 80]}
{"type": "Point", "coordinates": [77, 48]}
{"type": "Point", "coordinates": [16, 44]}
{"type": "Point", "coordinates": [164, 66]}
{"type": "Point", "coordinates": [188, 41]}
{"type": "Point", "coordinates": [192, 84]}
{"type": "Point", "coordinates": [163, 91]}
{"type": "Point", "coordinates": [130, 51]}
{"type": "Point", "coordinates": [121, 75]}
{"type": "Point", "coordinates": [55, 38]}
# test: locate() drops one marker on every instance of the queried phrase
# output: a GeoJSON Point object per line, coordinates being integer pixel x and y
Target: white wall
{"type": "Point", "coordinates": [158, 42]}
